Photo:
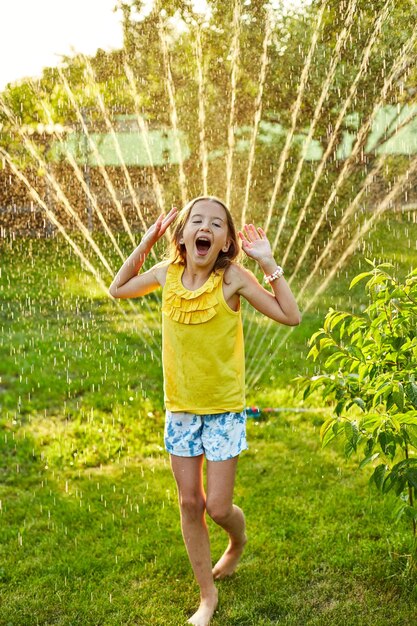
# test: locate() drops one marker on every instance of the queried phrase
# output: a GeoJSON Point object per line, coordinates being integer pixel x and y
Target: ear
{"type": "Point", "coordinates": [181, 241]}
{"type": "Point", "coordinates": [226, 246]}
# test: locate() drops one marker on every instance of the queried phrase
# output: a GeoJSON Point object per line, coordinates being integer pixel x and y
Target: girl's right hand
{"type": "Point", "coordinates": [157, 230]}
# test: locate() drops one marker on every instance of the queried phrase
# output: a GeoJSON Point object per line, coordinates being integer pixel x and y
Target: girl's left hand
{"type": "Point", "coordinates": [255, 244]}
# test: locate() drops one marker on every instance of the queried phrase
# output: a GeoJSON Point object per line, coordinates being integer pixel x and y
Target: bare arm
{"type": "Point", "coordinates": [128, 283]}
{"type": "Point", "coordinates": [280, 306]}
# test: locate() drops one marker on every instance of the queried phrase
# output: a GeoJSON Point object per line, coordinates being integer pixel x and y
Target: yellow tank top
{"type": "Point", "coordinates": [202, 347]}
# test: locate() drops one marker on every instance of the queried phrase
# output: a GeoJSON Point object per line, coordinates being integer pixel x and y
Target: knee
{"type": "Point", "coordinates": [192, 506]}
{"type": "Point", "coordinates": [219, 512]}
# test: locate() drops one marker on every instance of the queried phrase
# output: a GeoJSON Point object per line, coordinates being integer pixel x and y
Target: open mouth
{"type": "Point", "coordinates": [203, 245]}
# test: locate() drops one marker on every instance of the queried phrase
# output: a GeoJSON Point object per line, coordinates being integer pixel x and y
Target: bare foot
{"type": "Point", "coordinates": [205, 611]}
{"type": "Point", "coordinates": [227, 564]}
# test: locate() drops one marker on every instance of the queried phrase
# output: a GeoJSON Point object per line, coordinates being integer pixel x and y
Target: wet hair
{"type": "Point", "coordinates": [177, 250]}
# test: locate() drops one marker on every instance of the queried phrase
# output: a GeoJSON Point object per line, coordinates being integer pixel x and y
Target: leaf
{"type": "Point", "coordinates": [325, 343]}
{"type": "Point", "coordinates": [386, 264]}
{"type": "Point", "coordinates": [397, 342]}
{"type": "Point", "coordinates": [363, 371]}
{"type": "Point", "coordinates": [395, 423]}
{"type": "Point", "coordinates": [389, 482]}
{"type": "Point", "coordinates": [398, 396]}
{"type": "Point", "coordinates": [333, 318]}
{"type": "Point", "coordinates": [406, 345]}
{"type": "Point", "coordinates": [411, 393]}
{"type": "Point", "coordinates": [388, 296]}
{"type": "Point", "coordinates": [349, 449]}
{"type": "Point", "coordinates": [411, 476]}
{"type": "Point", "coordinates": [398, 293]}
{"type": "Point", "coordinates": [411, 430]}
{"type": "Point", "coordinates": [359, 277]}
{"type": "Point", "coordinates": [352, 436]}
{"type": "Point", "coordinates": [368, 459]}
{"type": "Point", "coordinates": [360, 403]}
{"type": "Point", "coordinates": [351, 432]}
{"type": "Point", "coordinates": [402, 473]}
{"type": "Point", "coordinates": [315, 335]}
{"type": "Point", "coordinates": [369, 446]}
{"type": "Point", "coordinates": [353, 366]}
{"type": "Point", "coordinates": [376, 280]}
{"type": "Point", "coordinates": [331, 433]}
{"type": "Point", "coordinates": [387, 386]}
{"type": "Point", "coordinates": [356, 338]}
{"type": "Point", "coordinates": [325, 427]}
{"type": "Point", "coordinates": [390, 402]}
{"type": "Point", "coordinates": [379, 475]}
{"type": "Point", "coordinates": [407, 418]}
{"type": "Point", "coordinates": [339, 406]}
{"type": "Point", "coordinates": [356, 322]}
{"type": "Point", "coordinates": [327, 320]}
{"type": "Point", "coordinates": [332, 359]}
{"type": "Point", "coordinates": [328, 390]}
{"type": "Point", "coordinates": [355, 352]}
{"type": "Point", "coordinates": [370, 419]}
{"type": "Point", "coordinates": [387, 442]}
{"type": "Point", "coordinates": [313, 353]}
{"type": "Point", "coordinates": [410, 512]}
{"type": "Point", "coordinates": [400, 484]}
{"type": "Point", "coordinates": [337, 317]}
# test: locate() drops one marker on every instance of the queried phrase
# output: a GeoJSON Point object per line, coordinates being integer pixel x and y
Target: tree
{"type": "Point", "coordinates": [368, 372]}
{"type": "Point", "coordinates": [164, 43]}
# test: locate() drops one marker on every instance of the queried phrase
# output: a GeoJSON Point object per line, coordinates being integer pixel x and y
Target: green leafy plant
{"type": "Point", "coordinates": [369, 370]}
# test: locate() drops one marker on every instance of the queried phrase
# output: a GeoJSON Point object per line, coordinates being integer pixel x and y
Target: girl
{"type": "Point", "coordinates": [203, 366]}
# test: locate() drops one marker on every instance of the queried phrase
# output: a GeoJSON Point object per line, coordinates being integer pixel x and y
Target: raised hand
{"type": "Point", "coordinates": [157, 230]}
{"type": "Point", "coordinates": [255, 244]}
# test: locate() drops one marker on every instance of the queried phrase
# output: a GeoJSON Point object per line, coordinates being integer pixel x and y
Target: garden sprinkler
{"type": "Point", "coordinates": [256, 412]}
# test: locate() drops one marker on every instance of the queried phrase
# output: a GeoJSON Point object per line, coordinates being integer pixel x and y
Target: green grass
{"type": "Point", "coordinates": [89, 521]}
{"type": "Point", "coordinates": [103, 545]}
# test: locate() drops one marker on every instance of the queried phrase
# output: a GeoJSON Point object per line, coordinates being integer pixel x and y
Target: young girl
{"type": "Point", "coordinates": [203, 366]}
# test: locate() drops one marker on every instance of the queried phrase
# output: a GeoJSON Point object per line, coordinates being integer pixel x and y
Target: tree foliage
{"type": "Point", "coordinates": [368, 372]}
{"type": "Point", "coordinates": [177, 26]}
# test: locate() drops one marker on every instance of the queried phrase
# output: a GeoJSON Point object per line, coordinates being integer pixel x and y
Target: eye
{"type": "Point", "coordinates": [196, 221]}
{"type": "Point", "coordinates": [216, 224]}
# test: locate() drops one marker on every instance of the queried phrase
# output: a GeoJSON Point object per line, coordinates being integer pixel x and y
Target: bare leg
{"type": "Point", "coordinates": [220, 507]}
{"type": "Point", "coordinates": [188, 475]}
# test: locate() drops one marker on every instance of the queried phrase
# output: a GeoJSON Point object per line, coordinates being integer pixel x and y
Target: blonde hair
{"type": "Point", "coordinates": [177, 253]}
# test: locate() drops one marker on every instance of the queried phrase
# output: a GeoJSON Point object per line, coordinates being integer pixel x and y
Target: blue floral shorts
{"type": "Point", "coordinates": [220, 436]}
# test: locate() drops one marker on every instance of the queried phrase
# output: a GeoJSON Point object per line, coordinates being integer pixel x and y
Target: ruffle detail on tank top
{"type": "Point", "coordinates": [189, 307]}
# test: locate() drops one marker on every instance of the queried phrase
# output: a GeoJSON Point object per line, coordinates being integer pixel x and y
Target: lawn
{"type": "Point", "coordinates": [89, 519]}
